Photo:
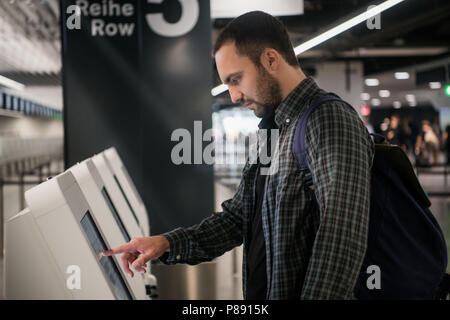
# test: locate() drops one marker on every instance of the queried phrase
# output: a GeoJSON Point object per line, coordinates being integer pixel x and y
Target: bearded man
{"type": "Point", "coordinates": [293, 248]}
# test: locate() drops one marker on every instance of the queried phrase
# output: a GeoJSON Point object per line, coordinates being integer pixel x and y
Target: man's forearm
{"type": "Point", "coordinates": [211, 238]}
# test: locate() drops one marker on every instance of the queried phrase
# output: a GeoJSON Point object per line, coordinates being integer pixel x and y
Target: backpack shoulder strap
{"type": "Point", "coordinates": [299, 147]}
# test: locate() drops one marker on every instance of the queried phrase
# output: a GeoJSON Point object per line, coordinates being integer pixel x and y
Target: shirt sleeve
{"type": "Point", "coordinates": [212, 237]}
{"type": "Point", "coordinates": [340, 154]}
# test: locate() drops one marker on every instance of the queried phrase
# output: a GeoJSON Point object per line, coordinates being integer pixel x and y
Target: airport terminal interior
{"type": "Point", "coordinates": [89, 114]}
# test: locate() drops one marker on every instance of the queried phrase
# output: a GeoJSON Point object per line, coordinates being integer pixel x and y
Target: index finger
{"type": "Point", "coordinates": [127, 247]}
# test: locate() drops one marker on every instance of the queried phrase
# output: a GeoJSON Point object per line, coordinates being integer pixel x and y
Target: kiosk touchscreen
{"type": "Point", "coordinates": [118, 198]}
{"type": "Point", "coordinates": [128, 188]}
{"type": "Point", "coordinates": [110, 222]}
{"type": "Point", "coordinates": [73, 240]}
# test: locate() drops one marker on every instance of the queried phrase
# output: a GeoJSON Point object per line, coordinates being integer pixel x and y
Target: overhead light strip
{"type": "Point", "coordinates": [330, 33]}
{"type": "Point", "coordinates": [11, 83]}
{"type": "Point", "coordinates": [219, 89]}
{"type": "Point", "coordinates": [345, 26]}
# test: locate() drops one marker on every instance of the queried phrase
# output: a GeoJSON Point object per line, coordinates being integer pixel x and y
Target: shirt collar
{"type": "Point", "coordinates": [296, 100]}
{"type": "Point", "coordinates": [268, 121]}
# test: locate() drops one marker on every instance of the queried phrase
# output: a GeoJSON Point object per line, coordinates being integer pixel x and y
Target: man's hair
{"type": "Point", "coordinates": [255, 31]}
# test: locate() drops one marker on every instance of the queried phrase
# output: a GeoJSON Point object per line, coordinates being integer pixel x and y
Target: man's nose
{"type": "Point", "coordinates": [236, 95]}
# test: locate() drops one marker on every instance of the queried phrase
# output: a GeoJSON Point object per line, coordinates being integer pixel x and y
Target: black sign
{"type": "Point", "coordinates": [134, 71]}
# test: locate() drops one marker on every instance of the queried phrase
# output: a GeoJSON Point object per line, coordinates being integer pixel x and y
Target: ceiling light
{"type": "Point", "coordinates": [219, 89]}
{"type": "Point", "coordinates": [336, 30]}
{"type": "Point", "coordinates": [384, 93]}
{"type": "Point", "coordinates": [375, 102]}
{"type": "Point", "coordinates": [412, 103]}
{"type": "Point", "coordinates": [365, 96]}
{"type": "Point", "coordinates": [232, 8]}
{"type": "Point", "coordinates": [435, 85]}
{"type": "Point", "coordinates": [11, 83]}
{"type": "Point", "coordinates": [397, 104]}
{"type": "Point", "coordinates": [401, 75]}
{"type": "Point", "coordinates": [346, 25]}
{"type": "Point", "coordinates": [365, 110]}
{"type": "Point", "coordinates": [410, 98]}
{"type": "Point", "coordinates": [372, 82]}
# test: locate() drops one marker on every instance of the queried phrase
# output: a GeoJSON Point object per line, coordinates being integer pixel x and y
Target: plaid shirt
{"type": "Point", "coordinates": [311, 252]}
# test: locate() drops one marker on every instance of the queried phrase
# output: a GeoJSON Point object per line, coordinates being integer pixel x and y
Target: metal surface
{"type": "Point", "coordinates": [186, 282]}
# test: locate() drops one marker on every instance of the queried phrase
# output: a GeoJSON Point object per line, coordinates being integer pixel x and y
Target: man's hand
{"type": "Point", "coordinates": [138, 251]}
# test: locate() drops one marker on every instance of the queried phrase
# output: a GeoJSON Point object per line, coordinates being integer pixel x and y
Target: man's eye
{"type": "Point", "coordinates": [234, 81]}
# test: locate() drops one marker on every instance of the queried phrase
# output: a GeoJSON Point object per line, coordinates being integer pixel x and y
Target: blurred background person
{"type": "Point", "coordinates": [437, 127]}
{"type": "Point", "coordinates": [426, 145]}
{"type": "Point", "coordinates": [368, 125]}
{"type": "Point", "coordinates": [415, 130]}
{"type": "Point", "coordinates": [446, 143]}
{"type": "Point", "coordinates": [404, 135]}
{"type": "Point", "coordinates": [384, 126]}
{"type": "Point", "coordinates": [393, 130]}
{"type": "Point", "coordinates": [438, 132]}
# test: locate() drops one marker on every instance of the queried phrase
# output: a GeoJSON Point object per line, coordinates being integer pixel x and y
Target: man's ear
{"type": "Point", "coordinates": [270, 59]}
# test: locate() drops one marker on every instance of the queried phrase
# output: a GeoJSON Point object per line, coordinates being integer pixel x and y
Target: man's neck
{"type": "Point", "coordinates": [292, 78]}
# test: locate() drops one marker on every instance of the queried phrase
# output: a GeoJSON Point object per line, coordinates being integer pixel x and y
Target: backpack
{"type": "Point", "coordinates": [404, 239]}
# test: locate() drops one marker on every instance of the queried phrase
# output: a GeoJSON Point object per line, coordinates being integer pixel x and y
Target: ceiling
{"type": "Point", "coordinates": [412, 33]}
{"type": "Point", "coordinates": [400, 90]}
{"type": "Point", "coordinates": [30, 38]}
{"type": "Point", "coordinates": [30, 49]}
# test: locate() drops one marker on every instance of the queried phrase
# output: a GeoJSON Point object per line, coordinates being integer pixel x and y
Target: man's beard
{"type": "Point", "coordinates": [269, 94]}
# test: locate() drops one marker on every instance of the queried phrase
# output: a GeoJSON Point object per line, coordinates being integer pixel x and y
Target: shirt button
{"type": "Point", "coordinates": [288, 121]}
{"type": "Point", "coordinates": [178, 257]}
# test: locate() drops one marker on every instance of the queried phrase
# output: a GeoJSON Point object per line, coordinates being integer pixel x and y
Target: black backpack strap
{"type": "Point", "coordinates": [300, 134]}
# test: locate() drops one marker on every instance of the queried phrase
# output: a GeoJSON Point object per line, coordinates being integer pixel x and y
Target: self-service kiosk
{"type": "Point", "coordinates": [110, 220]}
{"type": "Point", "coordinates": [52, 249]}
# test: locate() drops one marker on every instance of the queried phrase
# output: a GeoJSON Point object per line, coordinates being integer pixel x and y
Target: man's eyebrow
{"type": "Point", "coordinates": [228, 79]}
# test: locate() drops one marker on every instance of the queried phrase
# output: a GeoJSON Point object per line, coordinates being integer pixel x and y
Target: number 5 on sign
{"type": "Point", "coordinates": [189, 17]}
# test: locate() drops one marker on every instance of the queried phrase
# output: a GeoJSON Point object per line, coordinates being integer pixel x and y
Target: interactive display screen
{"type": "Point", "coordinates": [126, 199]}
{"type": "Point", "coordinates": [110, 268]}
{"type": "Point", "coordinates": [115, 215]}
